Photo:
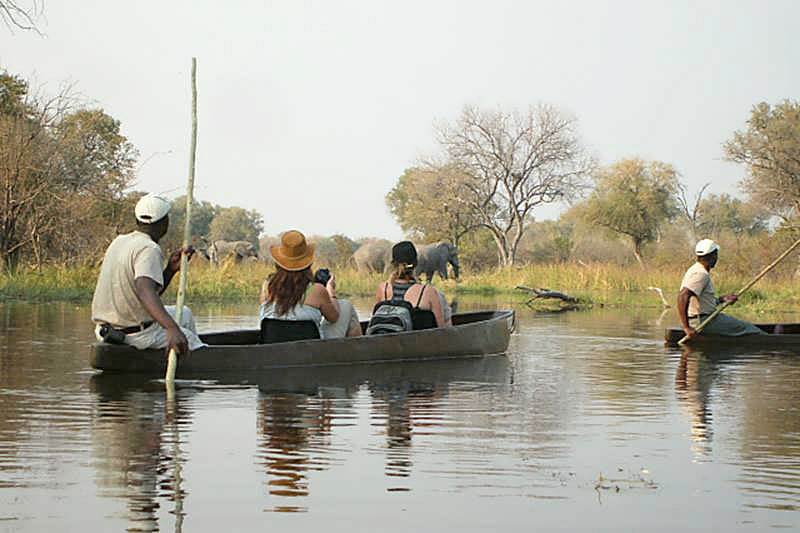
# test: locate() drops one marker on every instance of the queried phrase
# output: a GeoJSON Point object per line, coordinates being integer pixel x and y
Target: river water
{"type": "Point", "coordinates": [588, 423]}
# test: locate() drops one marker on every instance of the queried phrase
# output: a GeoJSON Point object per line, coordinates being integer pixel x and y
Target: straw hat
{"type": "Point", "coordinates": [293, 253]}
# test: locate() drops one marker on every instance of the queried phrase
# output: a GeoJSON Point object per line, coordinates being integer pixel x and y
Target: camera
{"type": "Point", "coordinates": [322, 276]}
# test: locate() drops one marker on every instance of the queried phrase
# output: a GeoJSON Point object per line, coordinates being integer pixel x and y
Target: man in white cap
{"type": "Point", "coordinates": [698, 299]}
{"type": "Point", "coordinates": [127, 307]}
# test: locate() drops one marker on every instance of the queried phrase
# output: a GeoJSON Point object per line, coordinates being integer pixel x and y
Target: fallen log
{"type": "Point", "coordinates": [547, 293]}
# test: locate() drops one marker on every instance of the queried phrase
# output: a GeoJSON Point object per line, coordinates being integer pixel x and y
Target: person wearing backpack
{"type": "Point", "coordinates": [403, 303]}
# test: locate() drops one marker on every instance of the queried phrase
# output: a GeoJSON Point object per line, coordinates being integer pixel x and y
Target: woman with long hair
{"type": "Point", "coordinates": [427, 301]}
{"type": "Point", "coordinates": [291, 294]}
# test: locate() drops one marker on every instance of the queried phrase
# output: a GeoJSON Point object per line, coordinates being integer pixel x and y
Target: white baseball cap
{"type": "Point", "coordinates": [705, 247]}
{"type": "Point", "coordinates": [151, 208]}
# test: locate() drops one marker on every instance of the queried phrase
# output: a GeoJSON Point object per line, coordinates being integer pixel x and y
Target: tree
{"type": "Point", "coordinates": [203, 214]}
{"type": "Point", "coordinates": [633, 198]}
{"type": "Point", "coordinates": [514, 163]}
{"type": "Point", "coordinates": [236, 224]}
{"type": "Point", "coordinates": [14, 15]}
{"type": "Point", "coordinates": [770, 149]}
{"type": "Point", "coordinates": [59, 169]}
{"type": "Point", "coordinates": [429, 204]}
{"type": "Point", "coordinates": [719, 213]}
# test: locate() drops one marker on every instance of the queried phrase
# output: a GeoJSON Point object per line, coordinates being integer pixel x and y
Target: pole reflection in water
{"type": "Point", "coordinates": [136, 448]}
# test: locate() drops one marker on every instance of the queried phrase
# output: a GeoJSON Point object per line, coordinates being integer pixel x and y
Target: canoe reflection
{"type": "Point", "coordinates": [297, 412]}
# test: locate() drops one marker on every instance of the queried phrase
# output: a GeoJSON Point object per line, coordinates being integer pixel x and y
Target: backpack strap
{"type": "Point", "coordinates": [385, 288]}
{"type": "Point", "coordinates": [419, 300]}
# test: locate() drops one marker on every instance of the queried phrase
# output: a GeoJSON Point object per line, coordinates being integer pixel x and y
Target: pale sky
{"type": "Point", "coordinates": [309, 111]}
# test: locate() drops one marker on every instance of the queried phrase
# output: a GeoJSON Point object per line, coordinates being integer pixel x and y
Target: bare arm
{"type": "Point", "coordinates": [147, 290]}
{"type": "Point", "coordinates": [380, 292]}
{"type": "Point", "coordinates": [174, 266]}
{"type": "Point", "coordinates": [683, 311]}
{"type": "Point", "coordinates": [435, 303]}
{"type": "Point", "coordinates": [324, 299]}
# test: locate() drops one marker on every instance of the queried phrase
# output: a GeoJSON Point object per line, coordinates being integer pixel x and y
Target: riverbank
{"type": "Point", "coordinates": [593, 285]}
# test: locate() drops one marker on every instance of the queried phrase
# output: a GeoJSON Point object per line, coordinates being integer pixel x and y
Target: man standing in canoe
{"type": "Point", "coordinates": [698, 299]}
{"type": "Point", "coordinates": [127, 307]}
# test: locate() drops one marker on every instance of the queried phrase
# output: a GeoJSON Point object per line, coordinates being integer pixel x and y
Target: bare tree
{"type": "Point", "coordinates": [516, 162]}
{"type": "Point", "coordinates": [15, 15]}
{"type": "Point", "coordinates": [692, 213]}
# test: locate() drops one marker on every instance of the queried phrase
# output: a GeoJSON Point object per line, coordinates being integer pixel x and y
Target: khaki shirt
{"type": "Point", "coordinates": [128, 257]}
{"type": "Point", "coordinates": [698, 280]}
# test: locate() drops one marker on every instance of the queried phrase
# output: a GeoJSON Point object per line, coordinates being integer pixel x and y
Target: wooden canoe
{"type": "Point", "coordinates": [789, 338]}
{"type": "Point", "coordinates": [472, 334]}
{"type": "Point", "coordinates": [329, 380]}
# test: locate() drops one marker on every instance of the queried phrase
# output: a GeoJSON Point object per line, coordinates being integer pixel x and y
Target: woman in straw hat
{"type": "Point", "coordinates": [290, 294]}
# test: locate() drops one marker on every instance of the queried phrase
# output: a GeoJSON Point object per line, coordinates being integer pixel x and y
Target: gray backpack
{"type": "Point", "coordinates": [390, 316]}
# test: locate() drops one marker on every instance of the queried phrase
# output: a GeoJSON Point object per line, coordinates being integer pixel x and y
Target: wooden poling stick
{"type": "Point", "coordinates": [172, 361]}
{"type": "Point", "coordinates": [752, 282]}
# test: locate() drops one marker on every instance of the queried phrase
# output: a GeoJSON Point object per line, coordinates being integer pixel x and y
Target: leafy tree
{"type": "Point", "coordinates": [428, 204]}
{"type": "Point", "coordinates": [236, 224]}
{"type": "Point", "coordinates": [203, 214]}
{"type": "Point", "coordinates": [515, 163]}
{"type": "Point", "coordinates": [633, 198]}
{"type": "Point", "coordinates": [719, 213]}
{"type": "Point", "coordinates": [770, 149]}
{"type": "Point", "coordinates": [59, 169]}
{"type": "Point", "coordinates": [334, 251]}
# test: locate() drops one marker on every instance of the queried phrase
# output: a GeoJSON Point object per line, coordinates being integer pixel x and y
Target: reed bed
{"type": "Point", "coordinates": [593, 284]}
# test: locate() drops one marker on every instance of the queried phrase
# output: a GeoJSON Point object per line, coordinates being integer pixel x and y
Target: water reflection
{"type": "Point", "coordinates": [299, 408]}
{"type": "Point", "coordinates": [578, 395]}
{"type": "Point", "coordinates": [759, 389]}
{"type": "Point", "coordinates": [136, 434]}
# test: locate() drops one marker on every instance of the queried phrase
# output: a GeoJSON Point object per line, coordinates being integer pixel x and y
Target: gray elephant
{"type": "Point", "coordinates": [433, 258]}
{"type": "Point", "coordinates": [373, 255]}
{"type": "Point", "coordinates": [239, 250]}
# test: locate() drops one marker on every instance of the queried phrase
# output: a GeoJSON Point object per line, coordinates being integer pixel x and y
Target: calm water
{"type": "Point", "coordinates": [588, 423]}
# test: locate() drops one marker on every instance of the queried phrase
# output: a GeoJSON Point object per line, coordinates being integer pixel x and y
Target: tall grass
{"type": "Point", "coordinates": [599, 284]}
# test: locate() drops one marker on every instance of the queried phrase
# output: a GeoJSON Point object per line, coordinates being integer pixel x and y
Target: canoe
{"type": "Point", "coordinates": [330, 380]}
{"type": "Point", "coordinates": [472, 334]}
{"type": "Point", "coordinates": [789, 338]}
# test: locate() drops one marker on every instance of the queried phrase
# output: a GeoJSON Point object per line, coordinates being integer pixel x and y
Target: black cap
{"type": "Point", "coordinates": [404, 253]}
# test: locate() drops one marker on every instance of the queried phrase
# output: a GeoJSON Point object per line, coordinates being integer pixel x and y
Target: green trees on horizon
{"type": "Point", "coordinates": [641, 201]}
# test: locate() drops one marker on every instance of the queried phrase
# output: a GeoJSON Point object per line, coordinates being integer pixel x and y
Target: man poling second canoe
{"type": "Point", "coordinates": [697, 299]}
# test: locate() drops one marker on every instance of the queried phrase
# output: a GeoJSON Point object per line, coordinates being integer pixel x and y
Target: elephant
{"type": "Point", "coordinates": [373, 255]}
{"type": "Point", "coordinates": [433, 258]}
{"type": "Point", "coordinates": [239, 250]}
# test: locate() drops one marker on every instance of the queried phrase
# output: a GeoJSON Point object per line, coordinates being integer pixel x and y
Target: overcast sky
{"type": "Point", "coordinates": [309, 111]}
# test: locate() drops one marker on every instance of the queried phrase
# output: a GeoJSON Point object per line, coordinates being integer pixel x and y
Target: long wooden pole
{"type": "Point", "coordinates": [752, 282]}
{"type": "Point", "coordinates": [172, 361]}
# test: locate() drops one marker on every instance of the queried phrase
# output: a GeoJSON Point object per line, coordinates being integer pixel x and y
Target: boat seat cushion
{"type": "Point", "coordinates": [274, 330]}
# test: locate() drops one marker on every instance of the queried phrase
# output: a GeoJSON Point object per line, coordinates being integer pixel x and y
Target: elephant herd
{"type": "Point", "coordinates": [373, 255]}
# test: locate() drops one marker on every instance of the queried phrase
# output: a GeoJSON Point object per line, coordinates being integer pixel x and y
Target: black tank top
{"type": "Point", "coordinates": [420, 318]}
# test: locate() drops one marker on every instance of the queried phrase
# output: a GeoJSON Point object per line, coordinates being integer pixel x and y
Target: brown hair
{"type": "Point", "coordinates": [286, 288]}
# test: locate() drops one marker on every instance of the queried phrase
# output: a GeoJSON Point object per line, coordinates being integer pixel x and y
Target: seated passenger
{"type": "Point", "coordinates": [428, 308]}
{"type": "Point", "coordinates": [291, 294]}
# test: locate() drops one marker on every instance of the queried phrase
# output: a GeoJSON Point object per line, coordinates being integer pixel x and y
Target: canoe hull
{"type": "Point", "coordinates": [790, 338]}
{"type": "Point", "coordinates": [475, 334]}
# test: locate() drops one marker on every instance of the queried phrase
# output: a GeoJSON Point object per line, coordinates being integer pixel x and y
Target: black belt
{"type": "Point", "coordinates": [690, 317]}
{"type": "Point", "coordinates": [132, 329]}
